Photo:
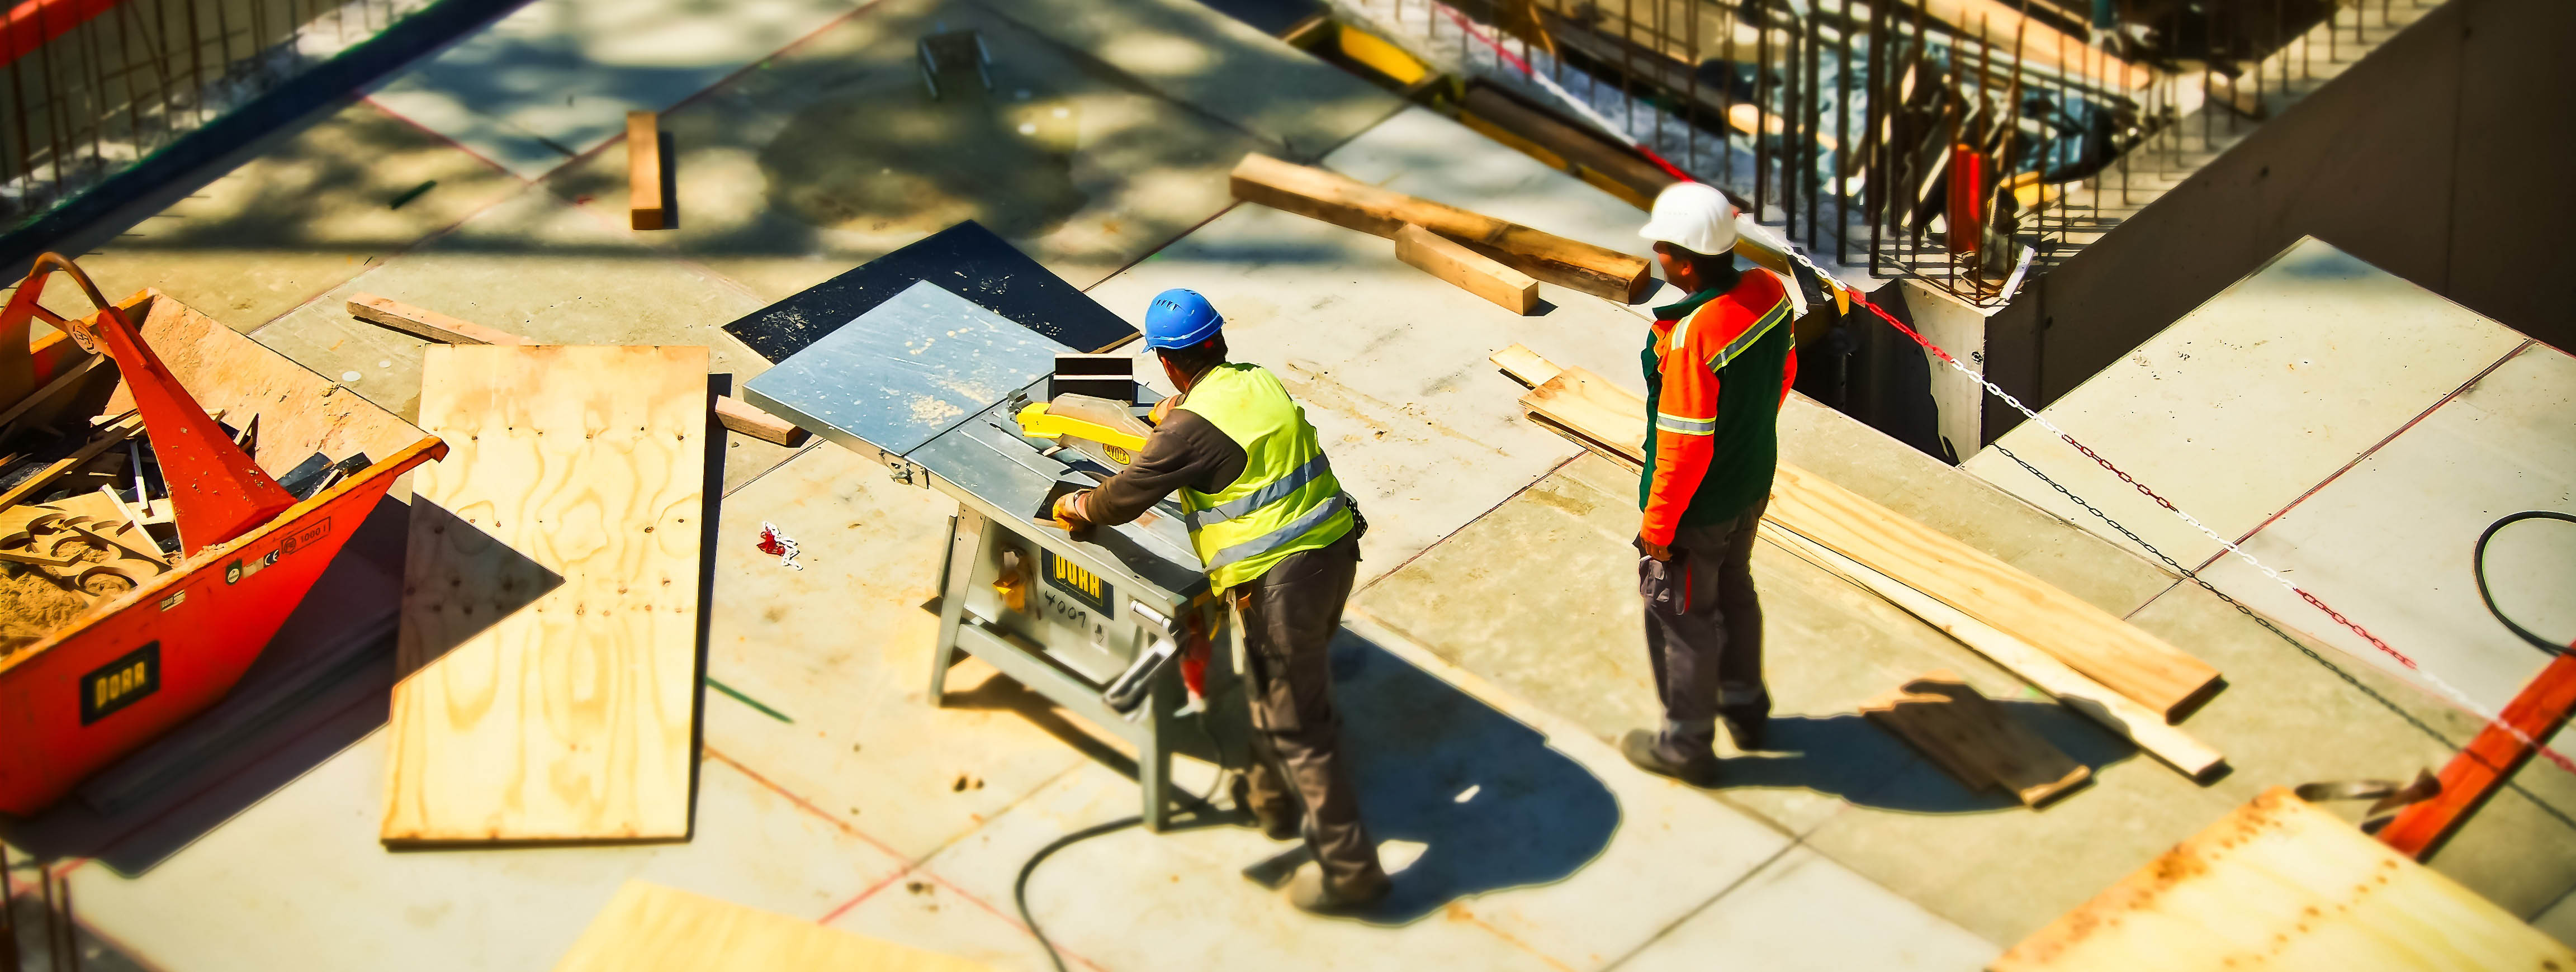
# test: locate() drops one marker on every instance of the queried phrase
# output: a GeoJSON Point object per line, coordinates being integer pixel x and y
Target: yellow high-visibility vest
{"type": "Point", "coordinates": [1286, 500]}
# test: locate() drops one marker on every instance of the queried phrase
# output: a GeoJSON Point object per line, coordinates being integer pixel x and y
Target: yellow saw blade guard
{"type": "Point", "coordinates": [1047, 420]}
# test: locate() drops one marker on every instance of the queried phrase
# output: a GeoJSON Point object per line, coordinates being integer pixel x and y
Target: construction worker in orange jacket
{"type": "Point", "coordinates": [1718, 365]}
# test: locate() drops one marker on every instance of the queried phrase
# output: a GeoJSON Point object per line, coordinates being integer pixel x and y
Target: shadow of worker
{"type": "Point", "coordinates": [1492, 804]}
{"type": "Point", "coordinates": [1845, 755]}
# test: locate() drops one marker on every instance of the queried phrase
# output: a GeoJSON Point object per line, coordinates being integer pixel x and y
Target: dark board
{"type": "Point", "coordinates": [967, 260]}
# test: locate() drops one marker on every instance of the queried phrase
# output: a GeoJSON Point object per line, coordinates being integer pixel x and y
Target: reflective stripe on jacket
{"type": "Point", "coordinates": [1286, 500]}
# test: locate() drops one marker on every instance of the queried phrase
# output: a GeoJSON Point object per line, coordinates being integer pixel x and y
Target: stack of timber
{"type": "Point", "coordinates": [1349, 203]}
{"type": "Point", "coordinates": [549, 621]}
{"type": "Point", "coordinates": [734, 413]}
{"type": "Point", "coordinates": [651, 928]}
{"type": "Point", "coordinates": [1975, 740]}
{"type": "Point", "coordinates": [2280, 884]}
{"type": "Point", "coordinates": [2097, 664]}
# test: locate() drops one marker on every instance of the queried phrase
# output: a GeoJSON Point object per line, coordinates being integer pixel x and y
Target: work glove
{"type": "Point", "coordinates": [1162, 410]}
{"type": "Point", "coordinates": [1068, 510]}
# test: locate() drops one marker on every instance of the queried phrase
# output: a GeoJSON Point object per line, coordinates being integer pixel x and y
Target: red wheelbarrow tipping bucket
{"type": "Point", "coordinates": [133, 666]}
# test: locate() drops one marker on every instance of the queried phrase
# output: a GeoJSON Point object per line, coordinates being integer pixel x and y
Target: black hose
{"type": "Point", "coordinates": [2478, 569]}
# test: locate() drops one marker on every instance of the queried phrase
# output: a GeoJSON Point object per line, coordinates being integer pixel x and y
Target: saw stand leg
{"type": "Point", "coordinates": [965, 541]}
{"type": "Point", "coordinates": [1154, 758]}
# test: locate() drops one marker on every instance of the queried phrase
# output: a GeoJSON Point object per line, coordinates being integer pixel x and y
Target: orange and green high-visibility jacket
{"type": "Point", "coordinates": [1717, 366]}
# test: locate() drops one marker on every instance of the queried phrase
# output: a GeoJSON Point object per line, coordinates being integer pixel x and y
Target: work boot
{"type": "Point", "coordinates": [1311, 893]}
{"type": "Point", "coordinates": [1746, 729]}
{"type": "Point", "coordinates": [1644, 748]}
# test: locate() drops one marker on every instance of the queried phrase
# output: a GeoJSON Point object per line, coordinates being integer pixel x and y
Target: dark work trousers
{"type": "Point", "coordinates": [1704, 632]}
{"type": "Point", "coordinates": [1290, 614]}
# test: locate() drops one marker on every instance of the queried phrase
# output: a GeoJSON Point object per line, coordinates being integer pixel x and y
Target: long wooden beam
{"type": "Point", "coordinates": [1350, 203]}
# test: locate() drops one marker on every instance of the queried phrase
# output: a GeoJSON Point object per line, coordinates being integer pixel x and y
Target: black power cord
{"type": "Point", "coordinates": [1020, 887]}
{"type": "Point", "coordinates": [2478, 569]}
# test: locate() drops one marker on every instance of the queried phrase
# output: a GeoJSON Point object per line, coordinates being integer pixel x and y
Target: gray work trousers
{"type": "Point", "coordinates": [1704, 632]}
{"type": "Point", "coordinates": [1289, 615]}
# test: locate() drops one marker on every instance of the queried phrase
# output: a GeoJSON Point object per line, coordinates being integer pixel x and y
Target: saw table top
{"type": "Point", "coordinates": [933, 381]}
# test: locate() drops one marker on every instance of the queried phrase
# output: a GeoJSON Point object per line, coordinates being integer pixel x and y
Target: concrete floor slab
{"type": "Point", "coordinates": [2240, 407]}
{"type": "Point", "coordinates": [1424, 431]}
{"type": "Point", "coordinates": [1190, 53]}
{"type": "Point", "coordinates": [924, 911]}
{"type": "Point", "coordinates": [2389, 543]}
{"type": "Point", "coordinates": [310, 212]}
{"type": "Point", "coordinates": [2560, 920]}
{"type": "Point", "coordinates": [537, 267]}
{"type": "Point", "coordinates": [555, 78]}
{"type": "Point", "coordinates": [1136, 900]}
{"type": "Point", "coordinates": [1803, 913]}
{"type": "Point", "coordinates": [1672, 849]}
{"type": "Point", "coordinates": [304, 867]}
{"type": "Point", "coordinates": [842, 648]}
{"type": "Point", "coordinates": [834, 153]}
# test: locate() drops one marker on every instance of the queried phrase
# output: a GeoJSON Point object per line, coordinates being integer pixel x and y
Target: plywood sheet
{"type": "Point", "coordinates": [2280, 884]}
{"type": "Point", "coordinates": [651, 928]}
{"type": "Point", "coordinates": [550, 607]}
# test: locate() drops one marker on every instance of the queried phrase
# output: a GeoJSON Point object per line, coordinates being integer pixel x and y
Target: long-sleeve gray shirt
{"type": "Point", "coordinates": [1185, 451]}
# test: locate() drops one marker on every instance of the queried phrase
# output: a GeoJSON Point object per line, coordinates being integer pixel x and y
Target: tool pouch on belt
{"type": "Point", "coordinates": [1665, 583]}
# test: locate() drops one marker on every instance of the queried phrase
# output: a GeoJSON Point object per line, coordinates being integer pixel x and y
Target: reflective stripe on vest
{"type": "Point", "coordinates": [1262, 497]}
{"type": "Point", "coordinates": [1285, 501]}
{"type": "Point", "coordinates": [1266, 542]}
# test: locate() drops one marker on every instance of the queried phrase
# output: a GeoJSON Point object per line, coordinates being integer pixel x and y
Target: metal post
{"type": "Point", "coordinates": [1761, 104]}
{"type": "Point", "coordinates": [1812, 146]}
{"type": "Point", "coordinates": [1874, 179]}
{"type": "Point", "coordinates": [1842, 139]}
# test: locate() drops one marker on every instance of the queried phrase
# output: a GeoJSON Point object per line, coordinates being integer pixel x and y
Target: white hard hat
{"type": "Point", "coordinates": [1693, 216]}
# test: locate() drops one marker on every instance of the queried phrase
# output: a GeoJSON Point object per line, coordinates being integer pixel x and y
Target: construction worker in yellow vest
{"type": "Point", "coordinates": [1278, 535]}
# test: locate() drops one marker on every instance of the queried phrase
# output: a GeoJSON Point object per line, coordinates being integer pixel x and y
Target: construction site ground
{"type": "Point", "coordinates": [1491, 655]}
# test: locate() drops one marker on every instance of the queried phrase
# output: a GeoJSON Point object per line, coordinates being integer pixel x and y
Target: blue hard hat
{"type": "Point", "coordinates": [1180, 318]}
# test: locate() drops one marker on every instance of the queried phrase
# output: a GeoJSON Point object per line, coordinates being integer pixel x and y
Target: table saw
{"type": "Point", "coordinates": [933, 386]}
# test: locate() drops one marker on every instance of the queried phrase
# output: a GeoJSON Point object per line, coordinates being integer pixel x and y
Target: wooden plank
{"type": "Point", "coordinates": [651, 928]}
{"type": "Point", "coordinates": [1524, 365]}
{"type": "Point", "coordinates": [743, 417]}
{"type": "Point", "coordinates": [2095, 642]}
{"type": "Point", "coordinates": [71, 376]}
{"type": "Point", "coordinates": [422, 322]}
{"type": "Point", "coordinates": [1976, 740]}
{"type": "Point", "coordinates": [2279, 884]}
{"type": "Point", "coordinates": [2538, 711]}
{"type": "Point", "coordinates": [648, 208]}
{"type": "Point", "coordinates": [549, 615]}
{"type": "Point", "coordinates": [99, 441]}
{"type": "Point", "coordinates": [1346, 202]}
{"type": "Point", "coordinates": [2113, 711]}
{"type": "Point", "coordinates": [734, 413]}
{"type": "Point", "coordinates": [1902, 714]}
{"type": "Point", "coordinates": [1469, 270]}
